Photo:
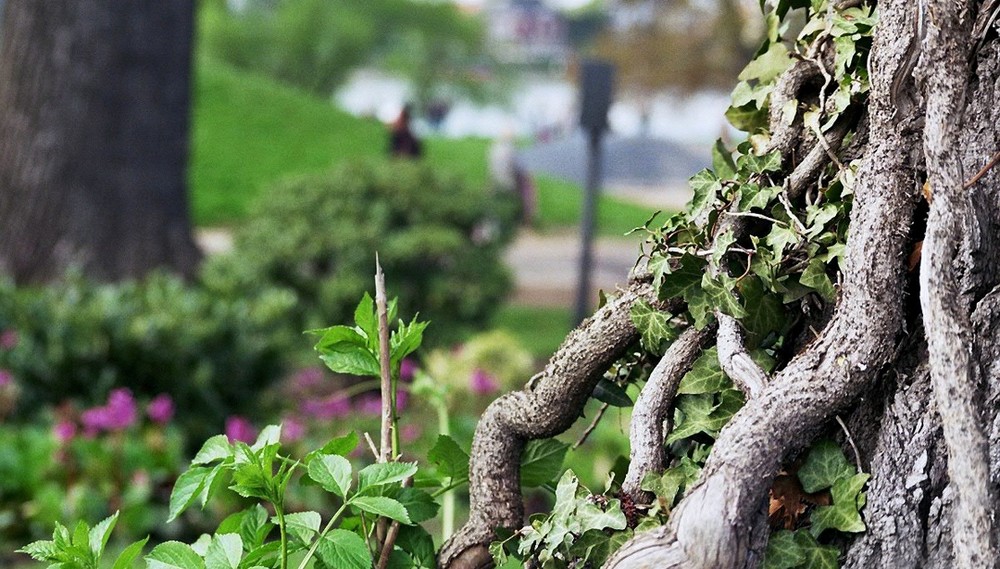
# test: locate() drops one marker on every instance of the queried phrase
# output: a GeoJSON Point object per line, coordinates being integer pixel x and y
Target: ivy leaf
{"type": "Point", "coordinates": [720, 295]}
{"type": "Point", "coordinates": [541, 461]}
{"type": "Point", "coordinates": [382, 506]}
{"type": "Point", "coordinates": [594, 546]}
{"type": "Point", "coordinates": [706, 375]}
{"type": "Point", "coordinates": [611, 393]}
{"type": "Point", "coordinates": [768, 65]}
{"type": "Point", "coordinates": [824, 465]}
{"type": "Point", "coordinates": [783, 551]}
{"type": "Point", "coordinates": [174, 555]}
{"type": "Point", "coordinates": [382, 473]}
{"type": "Point", "coordinates": [780, 237]}
{"type": "Point", "coordinates": [815, 277]}
{"type": "Point", "coordinates": [844, 514]}
{"type": "Point", "coordinates": [224, 552]}
{"type": "Point", "coordinates": [653, 325]}
{"type": "Point", "coordinates": [344, 550]}
{"type": "Point", "coordinates": [765, 312]}
{"type": "Point", "coordinates": [332, 472]}
{"type": "Point", "coordinates": [706, 187]}
{"type": "Point", "coordinates": [452, 462]}
{"type": "Point", "coordinates": [658, 265]}
{"type": "Point", "coordinates": [722, 161]}
{"type": "Point", "coordinates": [748, 118]}
{"type": "Point", "coordinates": [823, 557]}
{"type": "Point", "coordinates": [303, 526]}
{"type": "Point", "coordinates": [684, 280]}
{"type": "Point", "coordinates": [691, 416]}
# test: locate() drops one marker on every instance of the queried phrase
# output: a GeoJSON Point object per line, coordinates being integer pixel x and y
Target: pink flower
{"type": "Point", "coordinates": [6, 378]}
{"type": "Point", "coordinates": [240, 429]}
{"type": "Point", "coordinates": [482, 383]}
{"type": "Point", "coordinates": [410, 433]}
{"type": "Point", "coordinates": [406, 369]}
{"type": "Point", "coordinates": [370, 404]}
{"type": "Point", "coordinates": [308, 378]}
{"type": "Point", "coordinates": [8, 339]}
{"type": "Point", "coordinates": [402, 397]}
{"type": "Point", "coordinates": [118, 414]}
{"type": "Point", "coordinates": [64, 431]}
{"type": "Point", "coordinates": [329, 408]}
{"type": "Point", "coordinates": [292, 430]}
{"type": "Point", "coordinates": [161, 409]}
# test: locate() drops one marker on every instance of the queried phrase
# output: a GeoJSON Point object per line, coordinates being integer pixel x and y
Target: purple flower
{"type": "Point", "coordinates": [161, 409]}
{"type": "Point", "coordinates": [406, 369]}
{"type": "Point", "coordinates": [8, 339]}
{"type": "Point", "coordinates": [118, 414]}
{"type": "Point", "coordinates": [410, 433]}
{"type": "Point", "coordinates": [329, 408]}
{"type": "Point", "coordinates": [482, 383]}
{"type": "Point", "coordinates": [6, 378]}
{"type": "Point", "coordinates": [308, 378]}
{"type": "Point", "coordinates": [292, 430]}
{"type": "Point", "coordinates": [64, 431]}
{"type": "Point", "coordinates": [401, 399]}
{"type": "Point", "coordinates": [370, 404]}
{"type": "Point", "coordinates": [240, 429]}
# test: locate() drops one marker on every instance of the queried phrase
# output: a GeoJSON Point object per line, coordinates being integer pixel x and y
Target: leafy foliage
{"type": "Point", "coordinates": [439, 241]}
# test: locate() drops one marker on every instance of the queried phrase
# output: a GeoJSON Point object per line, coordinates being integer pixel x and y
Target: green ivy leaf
{"type": "Point", "coordinates": [541, 461]}
{"type": "Point", "coordinates": [706, 187]}
{"type": "Point", "coordinates": [720, 294]}
{"type": "Point", "coordinates": [594, 547]}
{"type": "Point", "coordinates": [332, 472]}
{"type": "Point", "coordinates": [174, 555]}
{"type": "Point", "coordinates": [765, 311]}
{"type": "Point", "coordinates": [722, 161]}
{"type": "Point", "coordinates": [224, 552]}
{"type": "Point", "coordinates": [382, 473]}
{"type": "Point", "coordinates": [815, 277]}
{"type": "Point", "coordinates": [591, 516]}
{"type": "Point", "coordinates": [382, 506]}
{"type": "Point", "coordinates": [609, 392]}
{"type": "Point", "coordinates": [344, 549]}
{"type": "Point", "coordinates": [706, 375]}
{"type": "Point", "coordinates": [653, 325]}
{"type": "Point", "coordinates": [844, 514]}
{"type": "Point", "coordinates": [783, 551]}
{"type": "Point", "coordinates": [824, 465]}
{"type": "Point", "coordinates": [748, 118]}
{"type": "Point", "coordinates": [452, 462]}
{"type": "Point", "coordinates": [767, 66]}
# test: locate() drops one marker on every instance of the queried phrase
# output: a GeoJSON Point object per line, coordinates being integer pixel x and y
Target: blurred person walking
{"type": "Point", "coordinates": [402, 142]}
{"type": "Point", "coordinates": [510, 178]}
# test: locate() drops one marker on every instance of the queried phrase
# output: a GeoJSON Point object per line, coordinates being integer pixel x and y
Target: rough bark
{"type": "Point", "coordinates": [94, 98]}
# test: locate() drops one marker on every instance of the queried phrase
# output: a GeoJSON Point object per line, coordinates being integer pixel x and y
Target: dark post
{"type": "Point", "coordinates": [596, 80]}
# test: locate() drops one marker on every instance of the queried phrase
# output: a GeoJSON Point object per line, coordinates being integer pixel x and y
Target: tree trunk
{"type": "Point", "coordinates": [94, 98]}
{"type": "Point", "coordinates": [919, 382]}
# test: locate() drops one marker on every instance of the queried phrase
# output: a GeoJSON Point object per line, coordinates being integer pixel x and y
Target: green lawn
{"type": "Point", "coordinates": [540, 329]}
{"type": "Point", "coordinates": [249, 131]}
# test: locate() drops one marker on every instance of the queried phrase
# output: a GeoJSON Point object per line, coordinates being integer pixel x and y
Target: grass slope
{"type": "Point", "coordinates": [249, 131]}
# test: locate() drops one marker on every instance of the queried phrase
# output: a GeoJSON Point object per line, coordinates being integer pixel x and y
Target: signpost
{"type": "Point", "coordinates": [596, 85]}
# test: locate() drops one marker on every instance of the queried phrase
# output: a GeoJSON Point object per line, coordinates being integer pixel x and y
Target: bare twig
{"type": "Point", "coordinates": [371, 445]}
{"type": "Point", "coordinates": [850, 441]}
{"type": "Point", "coordinates": [592, 426]}
{"type": "Point", "coordinates": [388, 412]}
{"type": "Point", "coordinates": [390, 537]}
{"type": "Point", "coordinates": [989, 165]}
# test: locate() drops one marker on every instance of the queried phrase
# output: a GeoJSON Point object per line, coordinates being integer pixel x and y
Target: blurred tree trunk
{"type": "Point", "coordinates": [94, 98]}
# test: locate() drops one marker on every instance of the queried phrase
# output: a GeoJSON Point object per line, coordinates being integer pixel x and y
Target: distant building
{"type": "Point", "coordinates": [526, 32]}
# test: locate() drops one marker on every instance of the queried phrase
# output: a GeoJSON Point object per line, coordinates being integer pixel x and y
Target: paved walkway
{"type": "Point", "coordinates": [546, 265]}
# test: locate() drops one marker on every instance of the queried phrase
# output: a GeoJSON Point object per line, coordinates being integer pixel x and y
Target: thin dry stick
{"type": "Point", "coordinates": [371, 445]}
{"type": "Point", "coordinates": [850, 439]}
{"type": "Point", "coordinates": [390, 537]}
{"type": "Point", "coordinates": [593, 425]}
{"type": "Point", "coordinates": [993, 162]}
{"type": "Point", "coordinates": [388, 407]}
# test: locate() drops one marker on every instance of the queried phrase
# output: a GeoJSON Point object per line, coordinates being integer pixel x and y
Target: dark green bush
{"type": "Point", "coordinates": [79, 340]}
{"type": "Point", "coordinates": [439, 242]}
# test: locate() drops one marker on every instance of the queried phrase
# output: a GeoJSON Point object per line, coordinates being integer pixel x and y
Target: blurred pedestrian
{"type": "Point", "coordinates": [402, 142]}
{"type": "Point", "coordinates": [510, 178]}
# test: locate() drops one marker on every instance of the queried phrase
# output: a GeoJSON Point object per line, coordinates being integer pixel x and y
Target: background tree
{"type": "Point", "coordinates": [796, 271]}
{"type": "Point", "coordinates": [93, 138]}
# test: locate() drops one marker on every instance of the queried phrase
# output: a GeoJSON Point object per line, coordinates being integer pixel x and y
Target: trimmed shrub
{"type": "Point", "coordinates": [439, 241]}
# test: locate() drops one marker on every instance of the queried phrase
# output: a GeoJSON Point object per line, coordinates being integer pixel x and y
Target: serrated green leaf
{"type": "Point", "coordinates": [342, 446]}
{"type": "Point", "coordinates": [332, 472]}
{"type": "Point", "coordinates": [594, 547]}
{"type": "Point", "coordinates": [339, 339]}
{"type": "Point", "coordinates": [406, 339]}
{"type": "Point", "coordinates": [189, 486]}
{"type": "Point", "coordinates": [611, 393]}
{"type": "Point", "coordinates": [254, 527]}
{"type": "Point", "coordinates": [382, 506]}
{"type": "Point", "coordinates": [353, 361]}
{"type": "Point", "coordinates": [224, 552]}
{"type": "Point", "coordinates": [128, 555]}
{"type": "Point", "coordinates": [783, 551]}
{"type": "Point", "coordinates": [344, 549]}
{"type": "Point", "coordinates": [419, 545]}
{"type": "Point", "coordinates": [420, 506]}
{"type": "Point", "coordinates": [706, 376]}
{"type": "Point", "coordinates": [269, 435]}
{"type": "Point", "coordinates": [382, 473]}
{"type": "Point", "coordinates": [174, 555]}
{"type": "Point", "coordinates": [215, 449]}
{"type": "Point", "coordinates": [303, 526]}
{"type": "Point", "coordinates": [824, 465]}
{"type": "Point", "coordinates": [452, 462]}
{"type": "Point", "coordinates": [41, 550]}
{"type": "Point", "coordinates": [541, 461]}
{"type": "Point", "coordinates": [98, 536]}
{"type": "Point", "coordinates": [366, 321]}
